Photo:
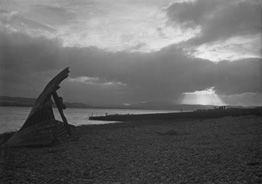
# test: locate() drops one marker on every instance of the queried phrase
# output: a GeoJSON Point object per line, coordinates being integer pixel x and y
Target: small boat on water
{"type": "Point", "coordinates": [41, 128]}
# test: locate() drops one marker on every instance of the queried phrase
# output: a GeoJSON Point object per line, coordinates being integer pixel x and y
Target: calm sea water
{"type": "Point", "coordinates": [12, 118]}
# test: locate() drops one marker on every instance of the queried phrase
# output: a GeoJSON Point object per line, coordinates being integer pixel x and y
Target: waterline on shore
{"type": "Point", "coordinates": [12, 118]}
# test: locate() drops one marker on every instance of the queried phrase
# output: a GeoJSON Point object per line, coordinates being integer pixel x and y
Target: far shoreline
{"type": "Point", "coordinates": [197, 114]}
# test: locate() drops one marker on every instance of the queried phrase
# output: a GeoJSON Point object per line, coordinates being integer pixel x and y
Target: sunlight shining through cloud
{"type": "Point", "coordinates": [129, 51]}
{"type": "Point", "coordinates": [134, 27]}
{"type": "Point", "coordinates": [95, 81]}
{"type": "Point", "coordinates": [129, 25]}
{"type": "Point", "coordinates": [204, 97]}
{"type": "Point", "coordinates": [232, 49]}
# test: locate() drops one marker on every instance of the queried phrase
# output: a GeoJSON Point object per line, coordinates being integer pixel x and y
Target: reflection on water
{"type": "Point", "coordinates": [12, 118]}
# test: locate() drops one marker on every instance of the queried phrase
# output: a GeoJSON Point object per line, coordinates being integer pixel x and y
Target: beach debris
{"type": "Point", "coordinates": [171, 132]}
{"type": "Point", "coordinates": [41, 128]}
{"type": "Point", "coordinates": [252, 163]}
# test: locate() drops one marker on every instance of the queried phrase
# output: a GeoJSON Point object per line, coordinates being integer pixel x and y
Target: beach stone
{"type": "Point", "coordinates": [204, 155]}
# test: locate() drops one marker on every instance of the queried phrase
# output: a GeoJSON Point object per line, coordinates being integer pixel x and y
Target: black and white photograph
{"type": "Point", "coordinates": [131, 91]}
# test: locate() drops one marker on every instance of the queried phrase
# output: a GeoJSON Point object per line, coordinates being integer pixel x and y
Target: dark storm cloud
{"type": "Point", "coordinates": [238, 77]}
{"type": "Point", "coordinates": [27, 64]}
{"type": "Point", "coordinates": [23, 54]}
{"type": "Point", "coordinates": [218, 19]}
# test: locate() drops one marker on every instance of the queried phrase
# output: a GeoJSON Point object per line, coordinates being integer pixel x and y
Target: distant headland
{"type": "Point", "coordinates": [29, 102]}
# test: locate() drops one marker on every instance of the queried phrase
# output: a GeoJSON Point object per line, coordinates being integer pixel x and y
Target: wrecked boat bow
{"type": "Point", "coordinates": [41, 128]}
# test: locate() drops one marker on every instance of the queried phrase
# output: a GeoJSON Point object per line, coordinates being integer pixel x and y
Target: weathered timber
{"type": "Point", "coordinates": [41, 128]}
{"type": "Point", "coordinates": [60, 107]}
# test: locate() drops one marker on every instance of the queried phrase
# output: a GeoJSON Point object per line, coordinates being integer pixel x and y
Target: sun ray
{"type": "Point", "coordinates": [204, 97]}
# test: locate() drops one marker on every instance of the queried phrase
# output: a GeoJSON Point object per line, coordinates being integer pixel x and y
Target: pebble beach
{"type": "Point", "coordinates": [220, 150]}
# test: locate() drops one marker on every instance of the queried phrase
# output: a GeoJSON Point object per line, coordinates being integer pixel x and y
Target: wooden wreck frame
{"type": "Point", "coordinates": [41, 128]}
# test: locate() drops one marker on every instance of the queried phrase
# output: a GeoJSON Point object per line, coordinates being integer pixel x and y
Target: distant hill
{"type": "Point", "coordinates": [29, 102]}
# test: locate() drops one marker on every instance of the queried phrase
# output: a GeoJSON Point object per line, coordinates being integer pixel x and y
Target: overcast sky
{"type": "Point", "coordinates": [134, 51]}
